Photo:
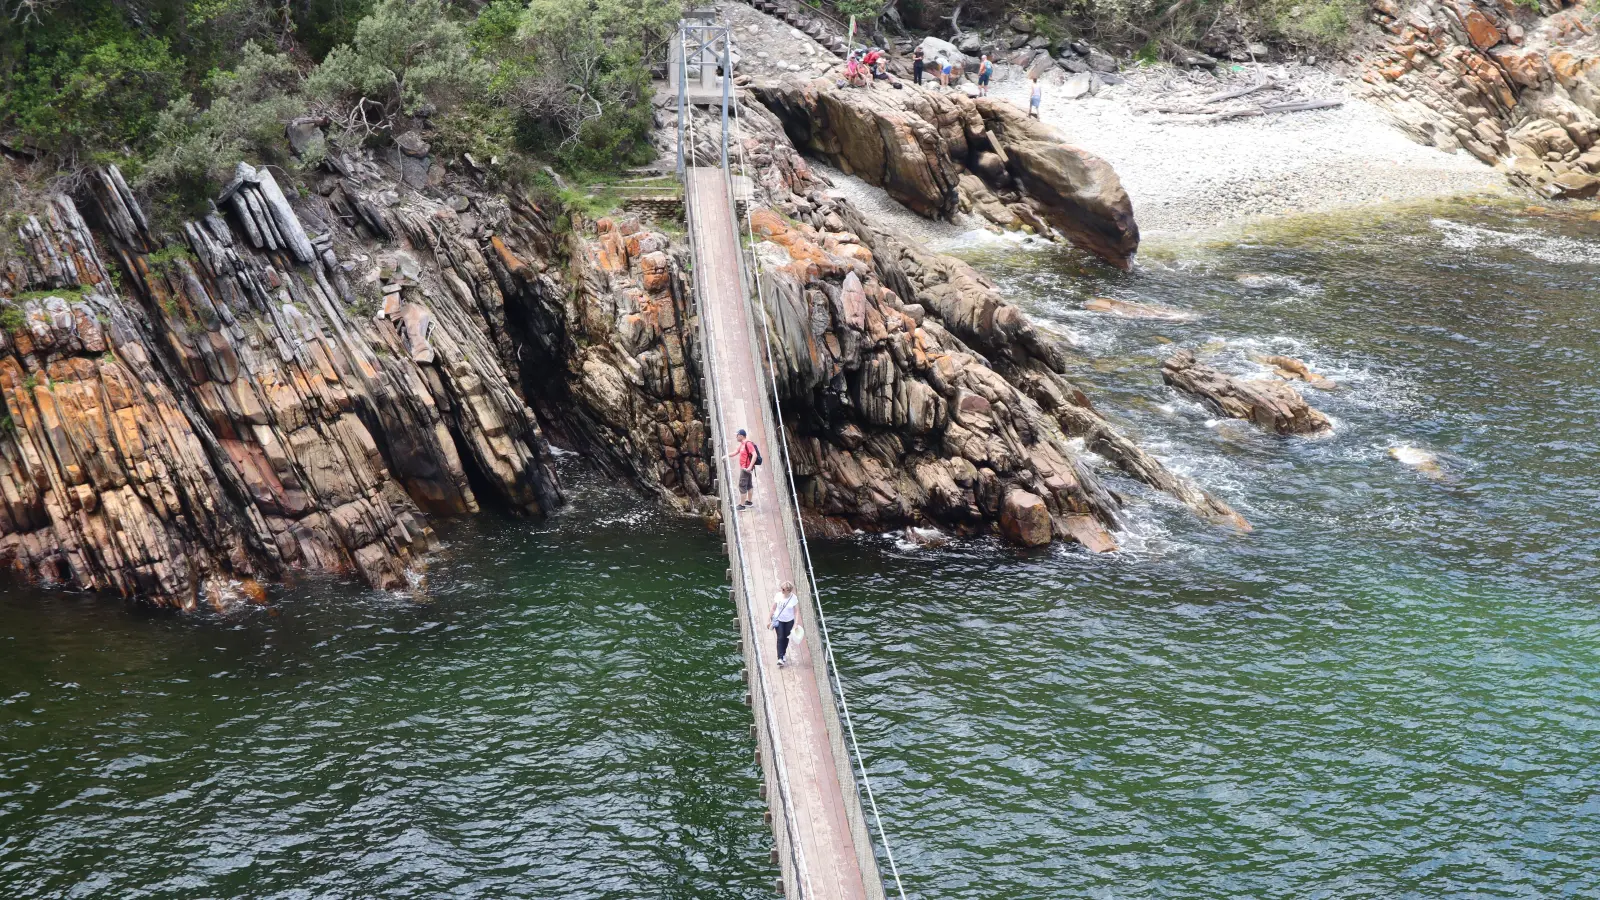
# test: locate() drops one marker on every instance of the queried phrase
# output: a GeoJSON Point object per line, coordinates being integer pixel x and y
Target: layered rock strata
{"type": "Point", "coordinates": [940, 153]}
{"type": "Point", "coordinates": [1272, 405]}
{"type": "Point", "coordinates": [1516, 88]}
{"type": "Point", "coordinates": [613, 358]}
{"type": "Point", "coordinates": [224, 407]}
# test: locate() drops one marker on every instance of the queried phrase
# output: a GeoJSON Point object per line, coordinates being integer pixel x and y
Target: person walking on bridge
{"type": "Point", "coordinates": [785, 607]}
{"type": "Point", "coordinates": [749, 456]}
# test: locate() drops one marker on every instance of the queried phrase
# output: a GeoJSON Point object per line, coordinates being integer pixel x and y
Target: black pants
{"type": "Point", "coordinates": [916, 70]}
{"type": "Point", "coordinates": [783, 637]}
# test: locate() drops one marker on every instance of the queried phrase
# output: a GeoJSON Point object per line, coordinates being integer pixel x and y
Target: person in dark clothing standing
{"type": "Point", "coordinates": [916, 66]}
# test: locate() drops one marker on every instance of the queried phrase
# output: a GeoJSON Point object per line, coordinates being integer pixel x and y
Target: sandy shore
{"type": "Point", "coordinates": [1187, 177]}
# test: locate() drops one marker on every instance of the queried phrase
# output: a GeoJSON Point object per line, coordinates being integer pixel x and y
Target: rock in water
{"type": "Point", "coordinates": [1424, 461]}
{"type": "Point", "coordinates": [1130, 310]}
{"type": "Point", "coordinates": [935, 398]}
{"type": "Point", "coordinates": [1291, 369]}
{"type": "Point", "coordinates": [1271, 405]}
{"type": "Point", "coordinates": [931, 538]}
{"type": "Point", "coordinates": [1025, 520]}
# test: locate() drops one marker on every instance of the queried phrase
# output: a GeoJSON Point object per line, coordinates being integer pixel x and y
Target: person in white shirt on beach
{"type": "Point", "coordinates": [785, 607]}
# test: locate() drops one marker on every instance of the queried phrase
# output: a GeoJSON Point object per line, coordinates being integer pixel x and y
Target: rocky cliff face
{"type": "Point", "coordinates": [941, 152]}
{"type": "Point", "coordinates": [244, 401]}
{"type": "Point", "coordinates": [614, 362]}
{"type": "Point", "coordinates": [303, 377]}
{"type": "Point", "coordinates": [915, 392]}
{"type": "Point", "coordinates": [1516, 88]}
{"type": "Point", "coordinates": [301, 383]}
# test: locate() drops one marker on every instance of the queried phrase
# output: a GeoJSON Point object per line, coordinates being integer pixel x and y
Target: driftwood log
{"type": "Point", "coordinates": [1269, 404]}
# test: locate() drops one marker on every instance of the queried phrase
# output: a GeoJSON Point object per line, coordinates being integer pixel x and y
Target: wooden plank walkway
{"type": "Point", "coordinates": [798, 726]}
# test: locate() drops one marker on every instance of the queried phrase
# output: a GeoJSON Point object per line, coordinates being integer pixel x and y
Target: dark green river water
{"type": "Point", "coordinates": [1391, 689]}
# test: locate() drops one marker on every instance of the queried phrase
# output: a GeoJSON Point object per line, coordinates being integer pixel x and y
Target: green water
{"type": "Point", "coordinates": [1388, 690]}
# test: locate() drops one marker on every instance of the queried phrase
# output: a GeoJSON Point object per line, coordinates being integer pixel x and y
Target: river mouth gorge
{"type": "Point", "coordinates": [1388, 689]}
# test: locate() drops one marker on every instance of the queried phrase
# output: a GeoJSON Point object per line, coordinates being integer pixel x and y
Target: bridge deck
{"type": "Point", "coordinates": [838, 860]}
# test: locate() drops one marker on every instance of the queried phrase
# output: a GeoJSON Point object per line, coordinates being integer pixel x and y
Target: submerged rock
{"type": "Point", "coordinates": [1271, 405]}
{"type": "Point", "coordinates": [1291, 369]}
{"type": "Point", "coordinates": [1130, 310]}
{"type": "Point", "coordinates": [1424, 461]}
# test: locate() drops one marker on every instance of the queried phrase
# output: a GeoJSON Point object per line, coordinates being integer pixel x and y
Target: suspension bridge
{"type": "Point", "coordinates": [814, 778]}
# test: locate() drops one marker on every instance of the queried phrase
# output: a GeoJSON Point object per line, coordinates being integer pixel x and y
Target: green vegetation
{"type": "Point", "coordinates": [193, 147]}
{"type": "Point", "coordinates": [13, 319]}
{"type": "Point", "coordinates": [177, 91]}
{"type": "Point", "coordinates": [165, 260]}
{"type": "Point", "coordinates": [1151, 28]}
{"type": "Point", "coordinates": [863, 10]}
{"type": "Point", "coordinates": [408, 57]}
{"type": "Point", "coordinates": [71, 295]}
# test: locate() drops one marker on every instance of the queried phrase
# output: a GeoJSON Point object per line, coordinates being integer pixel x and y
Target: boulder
{"type": "Point", "coordinates": [1078, 86]}
{"type": "Point", "coordinates": [1025, 519]}
{"type": "Point", "coordinates": [1100, 61]}
{"type": "Point", "coordinates": [935, 49]}
{"type": "Point", "coordinates": [1574, 186]}
{"type": "Point", "coordinates": [1077, 192]}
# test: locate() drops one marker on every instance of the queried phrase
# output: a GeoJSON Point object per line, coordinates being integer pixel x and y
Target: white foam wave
{"type": "Point", "coordinates": [1546, 247]}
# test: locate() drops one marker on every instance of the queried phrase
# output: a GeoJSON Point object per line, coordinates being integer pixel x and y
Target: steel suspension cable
{"type": "Point", "coordinates": [816, 594]}
{"type": "Point", "coordinates": [786, 798]}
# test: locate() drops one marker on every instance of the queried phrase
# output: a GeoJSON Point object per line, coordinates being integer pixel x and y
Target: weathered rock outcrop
{"type": "Point", "coordinates": [247, 400]}
{"type": "Point", "coordinates": [915, 392]}
{"type": "Point", "coordinates": [939, 153]}
{"type": "Point", "coordinates": [1514, 88]}
{"type": "Point", "coordinates": [611, 356]}
{"type": "Point", "coordinates": [1270, 404]}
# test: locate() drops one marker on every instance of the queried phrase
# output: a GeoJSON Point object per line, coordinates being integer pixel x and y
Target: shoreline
{"type": "Point", "coordinates": [1188, 178]}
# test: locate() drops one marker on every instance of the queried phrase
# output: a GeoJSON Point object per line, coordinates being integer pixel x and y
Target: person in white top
{"type": "Point", "coordinates": [785, 606]}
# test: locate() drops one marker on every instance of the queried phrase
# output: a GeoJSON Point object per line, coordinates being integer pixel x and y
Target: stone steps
{"type": "Point", "coordinates": [796, 15]}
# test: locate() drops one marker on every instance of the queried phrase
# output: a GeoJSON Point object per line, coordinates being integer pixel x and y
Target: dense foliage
{"type": "Point", "coordinates": [1151, 25]}
{"type": "Point", "coordinates": [178, 90]}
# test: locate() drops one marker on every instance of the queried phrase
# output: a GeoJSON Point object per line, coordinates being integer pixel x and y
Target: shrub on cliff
{"type": "Point", "coordinates": [194, 148]}
{"type": "Point", "coordinates": [577, 74]}
{"type": "Point", "coordinates": [408, 57]}
{"type": "Point", "coordinates": [74, 85]}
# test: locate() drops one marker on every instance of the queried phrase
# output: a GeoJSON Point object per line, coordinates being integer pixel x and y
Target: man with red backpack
{"type": "Point", "coordinates": [749, 456]}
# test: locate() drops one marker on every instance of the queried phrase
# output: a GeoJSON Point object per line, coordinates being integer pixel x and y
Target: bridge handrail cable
{"type": "Point", "coordinates": [794, 496]}
{"type": "Point", "coordinates": [692, 201]}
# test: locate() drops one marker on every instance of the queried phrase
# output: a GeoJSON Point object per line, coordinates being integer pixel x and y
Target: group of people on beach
{"type": "Point", "coordinates": [786, 604]}
{"type": "Point", "coordinates": [985, 73]}
{"type": "Point", "coordinates": [867, 63]}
